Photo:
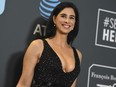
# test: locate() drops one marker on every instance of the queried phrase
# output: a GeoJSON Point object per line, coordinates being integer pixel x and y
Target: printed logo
{"type": "Point", "coordinates": [106, 29]}
{"type": "Point", "coordinates": [101, 85]}
{"type": "Point", "coordinates": [101, 76]}
{"type": "Point", "coordinates": [2, 6]}
{"type": "Point", "coordinates": [46, 7]}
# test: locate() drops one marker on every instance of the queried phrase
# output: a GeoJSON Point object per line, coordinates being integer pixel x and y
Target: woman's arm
{"type": "Point", "coordinates": [74, 83]}
{"type": "Point", "coordinates": [31, 58]}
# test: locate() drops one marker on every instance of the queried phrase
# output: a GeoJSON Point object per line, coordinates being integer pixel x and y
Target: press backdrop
{"type": "Point", "coordinates": [22, 21]}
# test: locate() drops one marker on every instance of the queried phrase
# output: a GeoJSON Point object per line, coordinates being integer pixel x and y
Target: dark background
{"type": "Point", "coordinates": [19, 21]}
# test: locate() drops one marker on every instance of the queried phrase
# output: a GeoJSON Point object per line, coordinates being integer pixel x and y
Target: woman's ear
{"type": "Point", "coordinates": [54, 19]}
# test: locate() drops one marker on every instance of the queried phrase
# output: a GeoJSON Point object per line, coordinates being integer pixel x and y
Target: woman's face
{"type": "Point", "coordinates": [65, 21]}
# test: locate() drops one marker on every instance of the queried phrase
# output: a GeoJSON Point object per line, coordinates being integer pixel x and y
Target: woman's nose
{"type": "Point", "coordinates": [67, 20]}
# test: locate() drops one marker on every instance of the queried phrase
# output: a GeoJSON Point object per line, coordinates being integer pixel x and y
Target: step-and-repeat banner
{"type": "Point", "coordinates": [22, 21]}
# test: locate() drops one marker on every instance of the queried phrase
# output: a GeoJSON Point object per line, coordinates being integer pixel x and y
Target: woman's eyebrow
{"type": "Point", "coordinates": [66, 14]}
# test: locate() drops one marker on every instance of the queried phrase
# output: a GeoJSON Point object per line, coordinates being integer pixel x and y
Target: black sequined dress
{"type": "Point", "coordinates": [49, 73]}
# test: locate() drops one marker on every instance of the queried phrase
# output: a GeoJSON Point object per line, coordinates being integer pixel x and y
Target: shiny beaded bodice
{"type": "Point", "coordinates": [49, 73]}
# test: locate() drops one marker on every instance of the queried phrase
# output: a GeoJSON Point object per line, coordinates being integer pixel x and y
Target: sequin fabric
{"type": "Point", "coordinates": [49, 73]}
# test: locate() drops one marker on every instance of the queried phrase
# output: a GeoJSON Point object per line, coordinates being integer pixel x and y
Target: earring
{"type": "Point", "coordinates": [54, 25]}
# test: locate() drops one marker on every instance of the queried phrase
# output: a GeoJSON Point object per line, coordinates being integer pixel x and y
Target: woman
{"type": "Point", "coordinates": [52, 61]}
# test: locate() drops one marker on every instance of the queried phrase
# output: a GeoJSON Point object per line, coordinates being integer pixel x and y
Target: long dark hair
{"type": "Point", "coordinates": [51, 29]}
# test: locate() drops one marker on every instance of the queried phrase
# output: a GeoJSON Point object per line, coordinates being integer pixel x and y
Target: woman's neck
{"type": "Point", "coordinates": [60, 40]}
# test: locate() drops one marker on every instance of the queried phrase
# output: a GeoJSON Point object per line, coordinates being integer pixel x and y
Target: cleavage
{"type": "Point", "coordinates": [65, 61]}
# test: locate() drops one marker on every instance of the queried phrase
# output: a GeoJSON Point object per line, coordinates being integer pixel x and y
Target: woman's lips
{"type": "Point", "coordinates": [66, 26]}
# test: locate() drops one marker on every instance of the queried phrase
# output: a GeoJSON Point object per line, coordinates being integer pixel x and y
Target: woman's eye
{"type": "Point", "coordinates": [63, 16]}
{"type": "Point", "coordinates": [72, 17]}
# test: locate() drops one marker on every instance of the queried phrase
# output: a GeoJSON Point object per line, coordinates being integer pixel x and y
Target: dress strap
{"type": "Point", "coordinates": [44, 41]}
{"type": "Point", "coordinates": [76, 55]}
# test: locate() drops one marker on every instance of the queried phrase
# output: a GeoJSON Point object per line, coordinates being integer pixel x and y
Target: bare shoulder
{"type": "Point", "coordinates": [79, 54]}
{"type": "Point", "coordinates": [37, 42]}
{"type": "Point", "coordinates": [36, 47]}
